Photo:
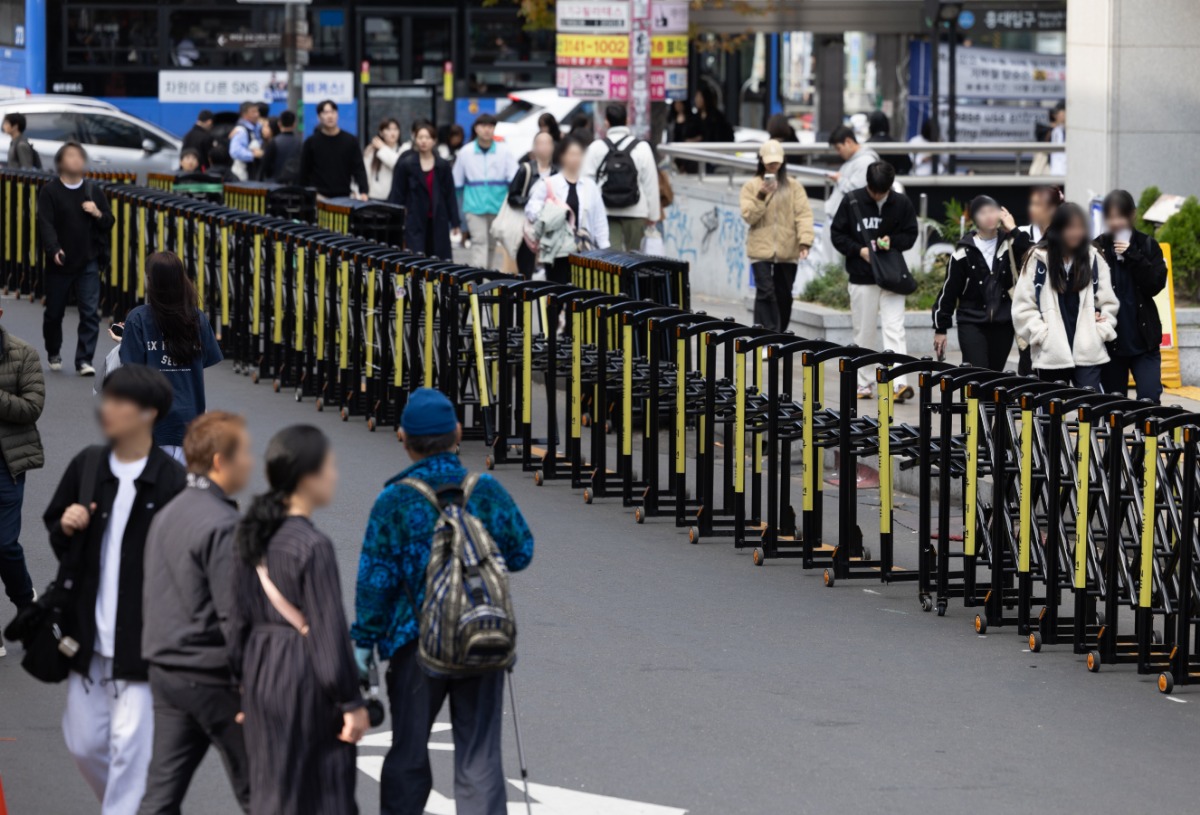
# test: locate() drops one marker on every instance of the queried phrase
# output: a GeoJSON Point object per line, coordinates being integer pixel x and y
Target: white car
{"type": "Point", "coordinates": [114, 140]}
{"type": "Point", "coordinates": [518, 123]}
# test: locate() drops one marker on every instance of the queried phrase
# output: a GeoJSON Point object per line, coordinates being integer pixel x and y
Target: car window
{"type": "Point", "coordinates": [587, 108]}
{"type": "Point", "coordinates": [51, 126]}
{"type": "Point", "coordinates": [109, 131]}
{"type": "Point", "coordinates": [517, 110]}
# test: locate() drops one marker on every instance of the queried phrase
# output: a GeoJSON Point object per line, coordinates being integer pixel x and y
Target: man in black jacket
{"type": "Point", "coordinates": [75, 225]}
{"type": "Point", "coordinates": [1139, 272]}
{"type": "Point", "coordinates": [331, 158]}
{"type": "Point", "coordinates": [875, 219]}
{"type": "Point", "coordinates": [98, 520]}
{"type": "Point", "coordinates": [200, 137]}
{"type": "Point", "coordinates": [187, 601]}
{"type": "Point", "coordinates": [281, 156]}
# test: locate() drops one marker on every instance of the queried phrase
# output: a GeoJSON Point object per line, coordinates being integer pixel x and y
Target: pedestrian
{"type": "Point", "coordinates": [22, 397]}
{"type": "Point", "coordinates": [288, 646]}
{"type": "Point", "coordinates": [538, 166]}
{"type": "Point", "coordinates": [582, 129]}
{"type": "Point", "coordinates": [330, 159]}
{"type": "Point", "coordinates": [881, 133]}
{"type": "Point", "coordinates": [281, 156]}
{"type": "Point", "coordinates": [246, 142]}
{"type": "Point", "coordinates": [172, 335]}
{"type": "Point", "coordinates": [220, 164]}
{"type": "Point", "coordinates": [627, 172]}
{"type": "Point", "coordinates": [1064, 305]}
{"type": "Point", "coordinates": [683, 128]}
{"type": "Point", "coordinates": [424, 185]}
{"type": "Point", "coordinates": [450, 141]}
{"type": "Point", "coordinates": [1043, 201]}
{"type": "Point", "coordinates": [187, 602]}
{"type": "Point", "coordinates": [710, 120]}
{"type": "Point", "coordinates": [978, 279]}
{"type": "Point", "coordinates": [390, 592]}
{"type": "Point", "coordinates": [189, 160]}
{"type": "Point", "coordinates": [567, 213]}
{"type": "Point", "coordinates": [482, 174]}
{"type": "Point", "coordinates": [380, 159]}
{"type": "Point", "coordinates": [927, 163]}
{"type": "Point", "coordinates": [200, 138]}
{"type": "Point", "coordinates": [779, 235]}
{"type": "Point", "coordinates": [21, 154]}
{"type": "Point", "coordinates": [75, 225]}
{"type": "Point", "coordinates": [1139, 272]}
{"type": "Point", "coordinates": [548, 124]}
{"type": "Point", "coordinates": [1058, 135]}
{"type": "Point", "coordinates": [98, 520]}
{"type": "Point", "coordinates": [852, 175]}
{"type": "Point", "coordinates": [891, 218]}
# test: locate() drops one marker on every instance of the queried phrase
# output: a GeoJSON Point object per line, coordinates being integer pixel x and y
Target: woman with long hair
{"type": "Point", "coordinates": [548, 124]}
{"type": "Point", "coordinates": [1139, 272]}
{"type": "Point", "coordinates": [1044, 201]}
{"type": "Point", "coordinates": [1064, 306]}
{"type": "Point", "coordinates": [779, 234]}
{"type": "Point", "coordinates": [290, 647]}
{"type": "Point", "coordinates": [424, 186]}
{"type": "Point", "coordinates": [380, 158]}
{"type": "Point", "coordinates": [567, 212]}
{"type": "Point", "coordinates": [538, 165]}
{"type": "Point", "coordinates": [171, 334]}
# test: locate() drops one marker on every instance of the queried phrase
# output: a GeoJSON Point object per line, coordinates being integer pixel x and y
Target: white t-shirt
{"type": "Point", "coordinates": [988, 248]}
{"type": "Point", "coordinates": [127, 472]}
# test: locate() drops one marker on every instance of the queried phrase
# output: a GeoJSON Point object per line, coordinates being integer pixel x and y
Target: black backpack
{"type": "Point", "coordinates": [618, 176]}
{"type": "Point", "coordinates": [37, 159]}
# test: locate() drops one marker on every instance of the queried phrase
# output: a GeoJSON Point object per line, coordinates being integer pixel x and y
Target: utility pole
{"type": "Point", "coordinates": [639, 68]}
{"type": "Point", "coordinates": [295, 70]}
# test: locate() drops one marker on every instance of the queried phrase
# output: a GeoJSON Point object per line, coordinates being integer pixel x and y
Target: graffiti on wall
{"type": "Point", "coordinates": [712, 238]}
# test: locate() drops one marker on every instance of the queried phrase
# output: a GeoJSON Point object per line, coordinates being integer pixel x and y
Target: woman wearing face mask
{"type": "Point", "coordinates": [1043, 203]}
{"type": "Point", "coordinates": [1139, 272]}
{"type": "Point", "coordinates": [380, 157]}
{"type": "Point", "coordinates": [780, 233]}
{"type": "Point", "coordinates": [976, 289]}
{"type": "Point", "coordinates": [539, 165]}
{"type": "Point", "coordinates": [424, 186]}
{"type": "Point", "coordinates": [567, 213]}
{"type": "Point", "coordinates": [1064, 306]}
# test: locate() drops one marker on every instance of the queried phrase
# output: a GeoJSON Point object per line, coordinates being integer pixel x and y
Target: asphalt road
{"type": "Point", "coordinates": [682, 676]}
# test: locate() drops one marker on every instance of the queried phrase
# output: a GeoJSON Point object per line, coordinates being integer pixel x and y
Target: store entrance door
{"type": "Point", "coordinates": [408, 46]}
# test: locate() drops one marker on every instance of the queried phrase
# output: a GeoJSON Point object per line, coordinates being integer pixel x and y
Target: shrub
{"type": "Point", "coordinates": [929, 286]}
{"type": "Point", "coordinates": [831, 287]}
{"type": "Point", "coordinates": [952, 221]}
{"type": "Point", "coordinates": [1182, 231]}
{"type": "Point", "coordinates": [1149, 196]}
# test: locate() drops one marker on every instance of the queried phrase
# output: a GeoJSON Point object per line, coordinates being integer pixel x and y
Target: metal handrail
{"type": "Point", "coordinates": [887, 148]}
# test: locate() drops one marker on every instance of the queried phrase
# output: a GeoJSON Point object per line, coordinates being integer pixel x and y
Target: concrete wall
{"type": "Point", "coordinates": [1133, 102]}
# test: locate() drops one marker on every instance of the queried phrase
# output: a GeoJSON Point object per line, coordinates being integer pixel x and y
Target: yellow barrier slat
{"type": "Point", "coordinates": [369, 318]}
{"type": "Point", "coordinates": [1083, 458]}
{"type": "Point", "coordinates": [970, 504]}
{"type": "Point", "coordinates": [301, 264]}
{"type": "Point", "coordinates": [885, 459]}
{"type": "Point", "coordinates": [1149, 513]}
{"type": "Point", "coordinates": [344, 315]}
{"type": "Point", "coordinates": [1026, 507]}
{"type": "Point", "coordinates": [527, 363]}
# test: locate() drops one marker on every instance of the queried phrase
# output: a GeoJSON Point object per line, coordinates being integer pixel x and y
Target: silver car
{"type": "Point", "coordinates": [114, 139]}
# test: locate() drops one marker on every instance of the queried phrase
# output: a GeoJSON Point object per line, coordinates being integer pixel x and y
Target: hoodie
{"type": "Point", "coordinates": [1040, 324]}
{"type": "Point", "coordinates": [895, 218]}
{"type": "Point", "coordinates": [852, 175]}
{"type": "Point", "coordinates": [975, 290]}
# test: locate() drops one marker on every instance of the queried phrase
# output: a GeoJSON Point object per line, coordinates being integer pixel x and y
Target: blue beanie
{"type": "Point", "coordinates": [428, 413]}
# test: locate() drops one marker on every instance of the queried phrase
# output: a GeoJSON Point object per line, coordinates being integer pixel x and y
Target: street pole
{"type": "Point", "coordinates": [295, 72]}
{"type": "Point", "coordinates": [951, 96]}
{"type": "Point", "coordinates": [934, 90]}
{"type": "Point", "coordinates": [639, 68]}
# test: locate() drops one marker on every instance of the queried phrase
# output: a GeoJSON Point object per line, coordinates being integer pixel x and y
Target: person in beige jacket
{"type": "Point", "coordinates": [780, 234]}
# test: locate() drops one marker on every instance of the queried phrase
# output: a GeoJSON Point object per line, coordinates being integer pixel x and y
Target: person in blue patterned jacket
{"type": "Point", "coordinates": [391, 578]}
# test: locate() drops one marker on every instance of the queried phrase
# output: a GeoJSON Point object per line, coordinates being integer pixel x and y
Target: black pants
{"type": "Point", "coordinates": [87, 292]}
{"type": "Point", "coordinates": [13, 572]}
{"type": "Point", "coordinates": [985, 345]}
{"type": "Point", "coordinates": [1081, 376]}
{"type": "Point", "coordinates": [476, 709]}
{"type": "Point", "coordinates": [1025, 364]}
{"type": "Point", "coordinates": [773, 293]}
{"type": "Point", "coordinates": [188, 717]}
{"type": "Point", "coordinates": [526, 261]}
{"type": "Point", "coordinates": [1147, 375]}
{"type": "Point", "coordinates": [559, 271]}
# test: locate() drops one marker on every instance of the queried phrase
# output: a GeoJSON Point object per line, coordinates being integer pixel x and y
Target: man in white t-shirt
{"type": "Point", "coordinates": [98, 520]}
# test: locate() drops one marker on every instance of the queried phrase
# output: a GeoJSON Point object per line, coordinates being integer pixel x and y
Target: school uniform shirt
{"type": "Point", "coordinates": [143, 344]}
{"type": "Point", "coordinates": [127, 473]}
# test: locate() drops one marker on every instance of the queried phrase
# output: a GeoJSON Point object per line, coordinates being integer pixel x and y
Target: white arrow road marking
{"type": "Point", "coordinates": [548, 800]}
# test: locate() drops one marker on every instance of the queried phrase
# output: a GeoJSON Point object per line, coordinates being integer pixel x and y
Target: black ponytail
{"type": "Point", "coordinates": [292, 454]}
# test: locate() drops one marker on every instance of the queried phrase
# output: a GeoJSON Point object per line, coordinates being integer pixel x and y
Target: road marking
{"type": "Point", "coordinates": [894, 611]}
{"type": "Point", "coordinates": [1175, 699]}
{"type": "Point", "coordinates": [870, 591]}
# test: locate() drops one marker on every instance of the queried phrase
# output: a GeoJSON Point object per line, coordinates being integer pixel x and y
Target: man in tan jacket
{"type": "Point", "coordinates": [780, 222]}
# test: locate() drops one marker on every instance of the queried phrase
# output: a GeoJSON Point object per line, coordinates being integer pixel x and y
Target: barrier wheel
{"type": "Point", "coordinates": [276, 385]}
{"type": "Point", "coordinates": [1156, 637]}
{"type": "Point", "coordinates": [1166, 682]}
{"type": "Point", "coordinates": [538, 479]}
{"type": "Point", "coordinates": [941, 608]}
{"type": "Point", "coordinates": [345, 414]}
{"type": "Point", "coordinates": [1100, 618]}
{"type": "Point", "coordinates": [298, 395]}
{"type": "Point", "coordinates": [371, 423]}
{"type": "Point", "coordinates": [1035, 642]}
{"type": "Point", "coordinates": [693, 535]}
{"type": "Point", "coordinates": [1093, 661]}
{"type": "Point", "coordinates": [638, 516]}
{"type": "Point", "coordinates": [587, 495]}
{"type": "Point", "coordinates": [254, 377]}
{"type": "Point", "coordinates": [926, 603]}
{"type": "Point", "coordinates": [320, 405]}
{"type": "Point", "coordinates": [585, 420]}
{"type": "Point", "coordinates": [866, 553]}
{"type": "Point", "coordinates": [759, 556]}
{"type": "Point", "coordinates": [980, 624]}
{"type": "Point", "coordinates": [489, 463]}
{"type": "Point", "coordinates": [829, 579]}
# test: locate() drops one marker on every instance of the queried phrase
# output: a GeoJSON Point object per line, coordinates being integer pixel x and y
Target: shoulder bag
{"type": "Point", "coordinates": [889, 268]}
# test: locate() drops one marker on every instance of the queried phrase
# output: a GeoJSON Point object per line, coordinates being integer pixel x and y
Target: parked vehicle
{"type": "Point", "coordinates": [114, 139]}
{"type": "Point", "coordinates": [518, 123]}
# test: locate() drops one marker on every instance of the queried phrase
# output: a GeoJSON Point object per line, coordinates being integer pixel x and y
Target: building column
{"type": "Point", "coordinates": [1133, 110]}
{"type": "Point", "coordinates": [887, 61]}
{"type": "Point", "coordinates": [831, 79]}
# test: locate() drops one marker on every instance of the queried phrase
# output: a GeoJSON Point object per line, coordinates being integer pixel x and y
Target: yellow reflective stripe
{"type": "Point", "coordinates": [527, 363]}
{"type": "Point", "coordinates": [21, 193]}
{"type": "Point", "coordinates": [1083, 458]}
{"type": "Point", "coordinates": [576, 375]}
{"type": "Point", "coordinates": [370, 321]}
{"type": "Point", "coordinates": [627, 390]}
{"type": "Point", "coordinates": [398, 368]}
{"type": "Point", "coordinates": [7, 232]}
{"type": "Point", "coordinates": [277, 317]}
{"type": "Point", "coordinates": [739, 422]}
{"type": "Point", "coordinates": [160, 220]}
{"type": "Point", "coordinates": [127, 218]}
{"type": "Point", "coordinates": [1026, 509]}
{"type": "Point", "coordinates": [344, 315]}
{"type": "Point", "coordinates": [480, 359]}
{"type": "Point", "coordinates": [301, 264]}
{"type": "Point", "coordinates": [142, 236]}
{"type": "Point", "coordinates": [256, 289]}
{"type": "Point", "coordinates": [319, 304]}
{"type": "Point", "coordinates": [1149, 486]}
{"type": "Point", "coordinates": [806, 440]}
{"type": "Point", "coordinates": [885, 459]}
{"type": "Point", "coordinates": [680, 406]}
{"type": "Point", "coordinates": [428, 350]}
{"type": "Point", "coordinates": [970, 507]}
{"type": "Point", "coordinates": [224, 275]}
{"type": "Point", "coordinates": [114, 272]}
{"type": "Point", "coordinates": [181, 236]}
{"type": "Point", "coordinates": [200, 270]}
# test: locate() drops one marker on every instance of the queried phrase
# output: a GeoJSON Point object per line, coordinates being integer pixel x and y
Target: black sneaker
{"type": "Point", "coordinates": [55, 363]}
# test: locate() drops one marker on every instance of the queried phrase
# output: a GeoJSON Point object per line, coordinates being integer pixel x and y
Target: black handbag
{"type": "Point", "coordinates": [889, 269]}
{"type": "Point", "coordinates": [44, 626]}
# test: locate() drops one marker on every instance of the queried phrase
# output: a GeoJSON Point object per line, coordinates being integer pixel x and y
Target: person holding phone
{"type": "Point", "coordinates": [1139, 272]}
{"type": "Point", "coordinates": [779, 236]}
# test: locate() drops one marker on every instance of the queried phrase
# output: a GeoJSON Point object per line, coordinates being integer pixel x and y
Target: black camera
{"type": "Point", "coordinates": [370, 686]}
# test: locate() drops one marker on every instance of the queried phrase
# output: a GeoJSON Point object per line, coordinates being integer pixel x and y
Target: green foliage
{"type": "Point", "coordinates": [929, 285]}
{"type": "Point", "coordinates": [1149, 196]}
{"type": "Point", "coordinates": [1182, 231]}
{"type": "Point", "coordinates": [952, 229]}
{"type": "Point", "coordinates": [831, 287]}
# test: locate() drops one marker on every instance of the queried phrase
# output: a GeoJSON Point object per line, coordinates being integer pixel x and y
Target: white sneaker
{"type": "Point", "coordinates": [866, 392]}
{"type": "Point", "coordinates": [86, 369]}
{"type": "Point", "coordinates": [56, 363]}
{"type": "Point", "coordinates": [3, 650]}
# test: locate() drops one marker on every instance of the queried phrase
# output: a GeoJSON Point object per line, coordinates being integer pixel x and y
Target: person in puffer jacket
{"type": "Point", "coordinates": [1064, 305]}
{"type": "Point", "coordinates": [779, 235]}
{"type": "Point", "coordinates": [976, 288]}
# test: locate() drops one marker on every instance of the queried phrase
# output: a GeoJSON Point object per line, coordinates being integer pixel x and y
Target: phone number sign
{"type": "Point", "coordinates": [613, 83]}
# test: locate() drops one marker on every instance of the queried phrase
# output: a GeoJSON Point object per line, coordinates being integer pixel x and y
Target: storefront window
{"type": "Point", "coordinates": [12, 23]}
{"type": "Point", "coordinates": [198, 38]}
{"type": "Point", "coordinates": [115, 37]}
{"type": "Point", "coordinates": [504, 56]}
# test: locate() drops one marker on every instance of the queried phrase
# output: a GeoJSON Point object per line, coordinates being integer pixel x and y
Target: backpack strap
{"type": "Point", "coordinates": [427, 492]}
{"type": "Point", "coordinates": [289, 612]}
{"type": "Point", "coordinates": [92, 457]}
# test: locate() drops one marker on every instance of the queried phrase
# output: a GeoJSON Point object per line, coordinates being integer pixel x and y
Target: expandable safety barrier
{"type": "Point", "coordinates": [1066, 515]}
